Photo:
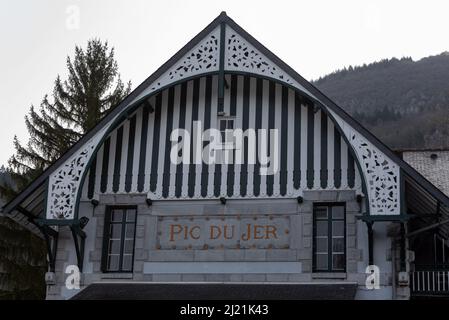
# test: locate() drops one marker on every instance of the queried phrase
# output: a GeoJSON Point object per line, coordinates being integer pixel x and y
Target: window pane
{"type": "Point", "coordinates": [321, 261]}
{"type": "Point", "coordinates": [321, 228]}
{"type": "Point", "coordinates": [338, 228]}
{"type": "Point", "coordinates": [114, 246]}
{"type": "Point", "coordinates": [129, 233]}
{"type": "Point", "coordinates": [113, 262]}
{"type": "Point", "coordinates": [230, 124]}
{"type": "Point", "coordinates": [117, 215]}
{"type": "Point", "coordinates": [321, 245]}
{"type": "Point", "coordinates": [338, 212]}
{"type": "Point", "coordinates": [129, 245]}
{"type": "Point", "coordinates": [127, 262]}
{"type": "Point", "coordinates": [222, 125]}
{"type": "Point", "coordinates": [321, 213]}
{"type": "Point", "coordinates": [338, 245]}
{"type": "Point", "coordinates": [130, 215]}
{"type": "Point", "coordinates": [338, 261]}
{"type": "Point", "coordinates": [120, 242]}
{"type": "Point", "coordinates": [116, 231]}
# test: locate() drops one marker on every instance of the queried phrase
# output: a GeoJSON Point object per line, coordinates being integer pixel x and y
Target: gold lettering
{"type": "Point", "coordinates": [258, 232]}
{"type": "Point", "coordinates": [247, 236]}
{"type": "Point", "coordinates": [192, 235]}
{"type": "Point", "coordinates": [212, 233]}
{"type": "Point", "coordinates": [226, 235]}
{"type": "Point", "coordinates": [173, 232]}
{"type": "Point", "coordinates": [271, 230]}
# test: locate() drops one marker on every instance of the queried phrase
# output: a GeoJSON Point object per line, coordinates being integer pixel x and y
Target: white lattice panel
{"type": "Point", "coordinates": [203, 58]}
{"type": "Point", "coordinates": [382, 175]}
{"type": "Point", "coordinates": [64, 183]}
{"type": "Point", "coordinates": [240, 55]}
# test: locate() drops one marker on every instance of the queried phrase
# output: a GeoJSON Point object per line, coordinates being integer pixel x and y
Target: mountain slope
{"type": "Point", "coordinates": [403, 102]}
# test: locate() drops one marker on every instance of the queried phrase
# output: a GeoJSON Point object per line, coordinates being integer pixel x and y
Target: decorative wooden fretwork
{"type": "Point", "coordinates": [381, 173]}
{"type": "Point", "coordinates": [240, 55]}
{"type": "Point", "coordinates": [64, 183]}
{"type": "Point", "coordinates": [203, 58]}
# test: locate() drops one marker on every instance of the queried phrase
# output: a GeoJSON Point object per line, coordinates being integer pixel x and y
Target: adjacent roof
{"type": "Point", "coordinates": [217, 291]}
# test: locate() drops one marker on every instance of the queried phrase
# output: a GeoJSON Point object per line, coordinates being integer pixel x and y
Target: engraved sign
{"type": "Point", "coordinates": [199, 232]}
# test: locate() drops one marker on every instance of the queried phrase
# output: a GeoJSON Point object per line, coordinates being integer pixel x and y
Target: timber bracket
{"type": "Point", "coordinates": [79, 239]}
{"type": "Point", "coordinates": [50, 236]}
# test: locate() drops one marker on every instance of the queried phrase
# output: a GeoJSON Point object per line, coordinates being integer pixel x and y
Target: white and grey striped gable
{"type": "Point", "coordinates": [135, 157]}
{"type": "Point", "coordinates": [322, 147]}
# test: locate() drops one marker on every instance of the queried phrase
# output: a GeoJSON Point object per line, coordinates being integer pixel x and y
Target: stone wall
{"type": "Point", "coordinates": [292, 263]}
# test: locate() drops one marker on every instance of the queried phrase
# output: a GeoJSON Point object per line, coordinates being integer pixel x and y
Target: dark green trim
{"type": "Point", "coordinates": [130, 156]}
{"type": "Point", "coordinates": [91, 179]}
{"type": "Point", "coordinates": [143, 147]}
{"type": "Point", "coordinates": [117, 160]}
{"type": "Point", "coordinates": [310, 172]}
{"type": "Point", "coordinates": [104, 247]}
{"type": "Point", "coordinates": [221, 79]}
{"type": "Point", "coordinates": [380, 218]}
{"type": "Point", "coordinates": [328, 205]}
{"type": "Point", "coordinates": [106, 235]}
{"type": "Point", "coordinates": [402, 249]}
{"type": "Point", "coordinates": [369, 225]}
{"type": "Point", "coordinates": [56, 222]}
{"type": "Point", "coordinates": [351, 169]}
{"type": "Point", "coordinates": [79, 239]}
{"type": "Point", "coordinates": [337, 158]}
{"type": "Point", "coordinates": [105, 166]}
{"type": "Point", "coordinates": [402, 200]}
{"type": "Point", "coordinates": [323, 152]}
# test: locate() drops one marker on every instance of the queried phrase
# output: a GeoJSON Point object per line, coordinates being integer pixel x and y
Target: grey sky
{"type": "Point", "coordinates": [314, 37]}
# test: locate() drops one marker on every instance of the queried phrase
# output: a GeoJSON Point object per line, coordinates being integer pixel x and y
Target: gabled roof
{"type": "Point", "coordinates": [309, 90]}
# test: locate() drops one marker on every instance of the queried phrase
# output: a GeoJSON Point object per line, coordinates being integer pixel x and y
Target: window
{"type": "Point", "coordinates": [329, 238]}
{"type": "Point", "coordinates": [226, 131]}
{"type": "Point", "coordinates": [118, 241]}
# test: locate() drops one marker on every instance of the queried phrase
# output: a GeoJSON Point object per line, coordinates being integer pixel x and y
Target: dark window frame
{"type": "Point", "coordinates": [330, 251]}
{"type": "Point", "coordinates": [106, 238]}
{"type": "Point", "coordinates": [227, 120]}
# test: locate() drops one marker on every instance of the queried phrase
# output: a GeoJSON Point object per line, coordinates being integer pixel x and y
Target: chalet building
{"type": "Point", "coordinates": [225, 174]}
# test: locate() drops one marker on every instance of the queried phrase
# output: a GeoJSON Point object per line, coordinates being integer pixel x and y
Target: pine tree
{"type": "Point", "coordinates": [76, 105]}
{"type": "Point", "coordinates": [92, 88]}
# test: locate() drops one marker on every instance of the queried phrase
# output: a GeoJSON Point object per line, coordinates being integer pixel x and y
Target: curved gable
{"type": "Point", "coordinates": [305, 152]}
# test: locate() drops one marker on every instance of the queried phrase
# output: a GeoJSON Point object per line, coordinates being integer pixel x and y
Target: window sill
{"type": "Point", "coordinates": [329, 275]}
{"type": "Point", "coordinates": [117, 275]}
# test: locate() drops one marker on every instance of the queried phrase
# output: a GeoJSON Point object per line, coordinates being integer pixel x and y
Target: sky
{"type": "Point", "coordinates": [313, 37]}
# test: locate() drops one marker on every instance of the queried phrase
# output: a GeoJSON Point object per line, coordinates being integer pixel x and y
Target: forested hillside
{"type": "Point", "coordinates": [405, 103]}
